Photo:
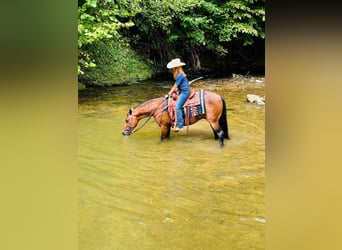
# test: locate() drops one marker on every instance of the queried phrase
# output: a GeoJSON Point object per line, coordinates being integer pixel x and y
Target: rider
{"type": "Point", "coordinates": [183, 86]}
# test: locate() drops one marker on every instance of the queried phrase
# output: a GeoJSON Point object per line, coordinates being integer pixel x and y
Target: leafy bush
{"type": "Point", "coordinates": [116, 64]}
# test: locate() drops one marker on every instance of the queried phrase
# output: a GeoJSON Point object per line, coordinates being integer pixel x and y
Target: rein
{"type": "Point", "coordinates": [149, 117]}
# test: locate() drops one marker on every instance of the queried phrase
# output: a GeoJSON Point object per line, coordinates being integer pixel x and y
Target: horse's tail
{"type": "Point", "coordinates": [223, 120]}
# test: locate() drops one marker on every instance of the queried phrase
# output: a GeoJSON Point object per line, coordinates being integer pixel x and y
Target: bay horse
{"type": "Point", "coordinates": [215, 114]}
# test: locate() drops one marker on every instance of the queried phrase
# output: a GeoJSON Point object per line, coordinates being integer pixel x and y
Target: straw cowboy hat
{"type": "Point", "coordinates": [175, 63]}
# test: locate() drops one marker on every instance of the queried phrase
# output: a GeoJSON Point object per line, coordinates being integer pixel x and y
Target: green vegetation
{"type": "Point", "coordinates": [116, 64]}
{"type": "Point", "coordinates": [130, 40]}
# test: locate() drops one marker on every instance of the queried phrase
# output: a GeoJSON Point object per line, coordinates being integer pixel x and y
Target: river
{"type": "Point", "coordinates": [184, 193]}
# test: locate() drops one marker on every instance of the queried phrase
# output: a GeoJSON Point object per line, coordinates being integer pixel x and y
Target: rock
{"type": "Point", "coordinates": [255, 99]}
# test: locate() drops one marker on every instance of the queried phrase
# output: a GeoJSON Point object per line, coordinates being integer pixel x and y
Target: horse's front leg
{"type": "Point", "coordinates": [165, 132]}
{"type": "Point", "coordinates": [165, 125]}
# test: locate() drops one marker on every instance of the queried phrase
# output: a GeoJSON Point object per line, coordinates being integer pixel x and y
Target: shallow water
{"type": "Point", "coordinates": [184, 193]}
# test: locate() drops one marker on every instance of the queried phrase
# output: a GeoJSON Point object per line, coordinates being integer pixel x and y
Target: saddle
{"type": "Point", "coordinates": [193, 99]}
{"type": "Point", "coordinates": [193, 106]}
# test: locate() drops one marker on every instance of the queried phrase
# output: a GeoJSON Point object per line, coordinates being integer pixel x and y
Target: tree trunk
{"type": "Point", "coordinates": [195, 61]}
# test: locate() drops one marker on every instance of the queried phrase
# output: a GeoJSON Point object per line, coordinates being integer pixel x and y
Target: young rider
{"type": "Point", "coordinates": [183, 86]}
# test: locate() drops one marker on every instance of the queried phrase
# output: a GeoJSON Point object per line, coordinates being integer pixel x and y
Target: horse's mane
{"type": "Point", "coordinates": [147, 102]}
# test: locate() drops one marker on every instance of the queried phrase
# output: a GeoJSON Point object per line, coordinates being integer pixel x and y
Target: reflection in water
{"type": "Point", "coordinates": [136, 192]}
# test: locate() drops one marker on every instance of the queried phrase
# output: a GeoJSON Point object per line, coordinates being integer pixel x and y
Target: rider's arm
{"type": "Point", "coordinates": [173, 89]}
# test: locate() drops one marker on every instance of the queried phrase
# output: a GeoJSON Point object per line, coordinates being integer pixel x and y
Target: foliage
{"type": "Point", "coordinates": [99, 20]}
{"type": "Point", "coordinates": [183, 27]}
{"type": "Point", "coordinates": [116, 64]}
{"type": "Point", "coordinates": [160, 30]}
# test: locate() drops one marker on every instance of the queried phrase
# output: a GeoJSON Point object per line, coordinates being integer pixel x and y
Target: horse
{"type": "Point", "coordinates": [215, 113]}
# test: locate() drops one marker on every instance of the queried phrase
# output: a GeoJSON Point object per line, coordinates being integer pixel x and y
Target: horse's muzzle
{"type": "Point", "coordinates": [126, 132]}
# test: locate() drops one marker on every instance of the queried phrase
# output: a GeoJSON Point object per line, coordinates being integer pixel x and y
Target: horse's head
{"type": "Point", "coordinates": [130, 123]}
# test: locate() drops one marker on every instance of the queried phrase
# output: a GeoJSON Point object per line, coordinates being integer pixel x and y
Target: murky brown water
{"type": "Point", "coordinates": [184, 193]}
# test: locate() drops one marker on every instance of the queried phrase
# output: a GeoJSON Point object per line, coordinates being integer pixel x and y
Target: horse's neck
{"type": "Point", "coordinates": [147, 108]}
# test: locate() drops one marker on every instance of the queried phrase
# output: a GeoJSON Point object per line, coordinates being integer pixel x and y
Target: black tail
{"type": "Point", "coordinates": [223, 120]}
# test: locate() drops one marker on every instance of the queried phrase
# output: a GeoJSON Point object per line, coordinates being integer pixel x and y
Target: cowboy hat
{"type": "Point", "coordinates": [175, 63]}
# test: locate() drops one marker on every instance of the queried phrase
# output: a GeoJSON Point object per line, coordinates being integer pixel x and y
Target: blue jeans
{"type": "Point", "coordinates": [180, 102]}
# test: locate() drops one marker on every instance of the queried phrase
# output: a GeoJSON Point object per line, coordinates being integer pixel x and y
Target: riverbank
{"type": "Point", "coordinates": [235, 77]}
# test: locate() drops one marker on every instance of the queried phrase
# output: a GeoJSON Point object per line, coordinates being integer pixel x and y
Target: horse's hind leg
{"type": "Point", "coordinates": [218, 132]}
{"type": "Point", "coordinates": [215, 134]}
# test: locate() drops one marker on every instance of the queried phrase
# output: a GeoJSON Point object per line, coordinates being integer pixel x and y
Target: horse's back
{"type": "Point", "coordinates": [212, 95]}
